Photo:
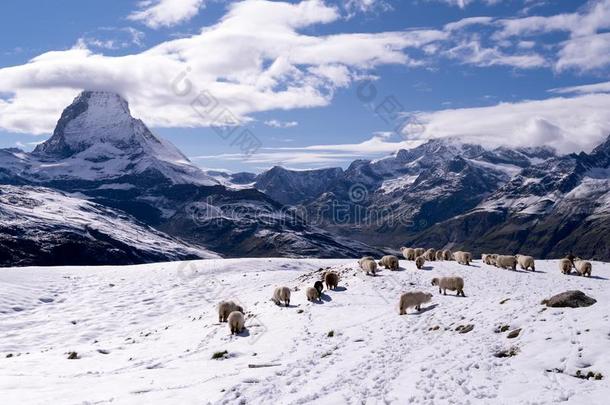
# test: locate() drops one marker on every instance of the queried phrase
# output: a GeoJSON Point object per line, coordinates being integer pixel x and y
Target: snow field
{"type": "Point", "coordinates": [147, 334]}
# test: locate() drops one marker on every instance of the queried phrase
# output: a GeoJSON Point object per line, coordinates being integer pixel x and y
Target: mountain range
{"type": "Point", "coordinates": [107, 168]}
{"type": "Point", "coordinates": [100, 154]}
{"type": "Point", "coordinates": [449, 194]}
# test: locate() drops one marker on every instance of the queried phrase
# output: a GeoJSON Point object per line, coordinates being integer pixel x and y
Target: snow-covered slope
{"type": "Point", "coordinates": [147, 334]}
{"type": "Point", "coordinates": [40, 226]}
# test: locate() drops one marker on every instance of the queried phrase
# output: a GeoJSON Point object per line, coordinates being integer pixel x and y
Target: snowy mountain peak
{"type": "Point", "coordinates": [443, 148]}
{"type": "Point", "coordinates": [601, 154]}
{"type": "Point", "coordinates": [97, 138]}
{"type": "Point", "coordinates": [603, 148]}
{"type": "Point", "coordinates": [538, 152]}
{"type": "Point", "coordinates": [103, 102]}
{"type": "Point", "coordinates": [102, 106]}
{"type": "Point", "coordinates": [94, 117]}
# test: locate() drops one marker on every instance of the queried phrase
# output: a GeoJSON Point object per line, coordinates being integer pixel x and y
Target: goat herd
{"type": "Point", "coordinates": [229, 311]}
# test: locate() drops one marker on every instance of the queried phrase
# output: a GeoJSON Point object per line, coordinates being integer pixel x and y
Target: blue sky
{"type": "Point", "coordinates": [520, 73]}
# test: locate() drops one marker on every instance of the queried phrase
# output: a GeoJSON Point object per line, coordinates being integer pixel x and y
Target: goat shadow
{"type": "Point", "coordinates": [515, 271]}
{"type": "Point", "coordinates": [245, 332]}
{"type": "Point", "coordinates": [424, 310]}
{"type": "Point", "coordinates": [574, 274]}
{"type": "Point", "coordinates": [518, 270]}
{"type": "Point", "coordinates": [323, 298]}
{"type": "Point", "coordinates": [286, 306]}
{"type": "Point", "coordinates": [339, 289]}
{"type": "Point", "coordinates": [453, 295]}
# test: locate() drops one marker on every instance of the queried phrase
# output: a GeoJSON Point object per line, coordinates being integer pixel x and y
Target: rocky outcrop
{"type": "Point", "coordinates": [569, 299]}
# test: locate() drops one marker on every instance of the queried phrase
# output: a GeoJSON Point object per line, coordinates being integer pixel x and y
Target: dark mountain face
{"type": "Point", "coordinates": [548, 210]}
{"type": "Point", "coordinates": [295, 187]}
{"type": "Point", "coordinates": [395, 173]}
{"type": "Point", "coordinates": [44, 227]}
{"type": "Point", "coordinates": [382, 201]}
{"type": "Point", "coordinates": [256, 225]}
{"type": "Point", "coordinates": [447, 194]}
{"type": "Point", "coordinates": [551, 236]}
{"type": "Point", "coordinates": [234, 223]}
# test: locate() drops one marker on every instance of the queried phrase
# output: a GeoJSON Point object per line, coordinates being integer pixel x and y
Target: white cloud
{"type": "Point", "coordinates": [165, 13]}
{"type": "Point", "coordinates": [588, 46]}
{"type": "Point", "coordinates": [590, 52]}
{"type": "Point", "coordinates": [526, 44]}
{"type": "Point", "coordinates": [27, 145]}
{"type": "Point", "coordinates": [312, 156]}
{"type": "Point", "coordinates": [472, 52]}
{"type": "Point", "coordinates": [522, 42]}
{"type": "Point", "coordinates": [366, 6]}
{"type": "Point", "coordinates": [292, 159]}
{"type": "Point", "coordinates": [464, 3]}
{"type": "Point", "coordinates": [252, 60]}
{"type": "Point", "coordinates": [281, 124]}
{"type": "Point", "coordinates": [528, 26]}
{"type": "Point", "coordinates": [603, 87]}
{"type": "Point", "coordinates": [380, 143]}
{"type": "Point", "coordinates": [263, 56]}
{"type": "Point", "coordinates": [111, 38]}
{"type": "Point", "coordinates": [568, 124]}
{"type": "Point", "coordinates": [33, 111]}
{"type": "Point", "coordinates": [469, 43]}
{"type": "Point", "coordinates": [363, 5]}
{"type": "Point", "coordinates": [467, 22]}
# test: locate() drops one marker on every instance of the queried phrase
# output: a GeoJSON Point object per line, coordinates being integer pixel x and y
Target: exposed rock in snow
{"type": "Point", "coordinates": [570, 299]}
